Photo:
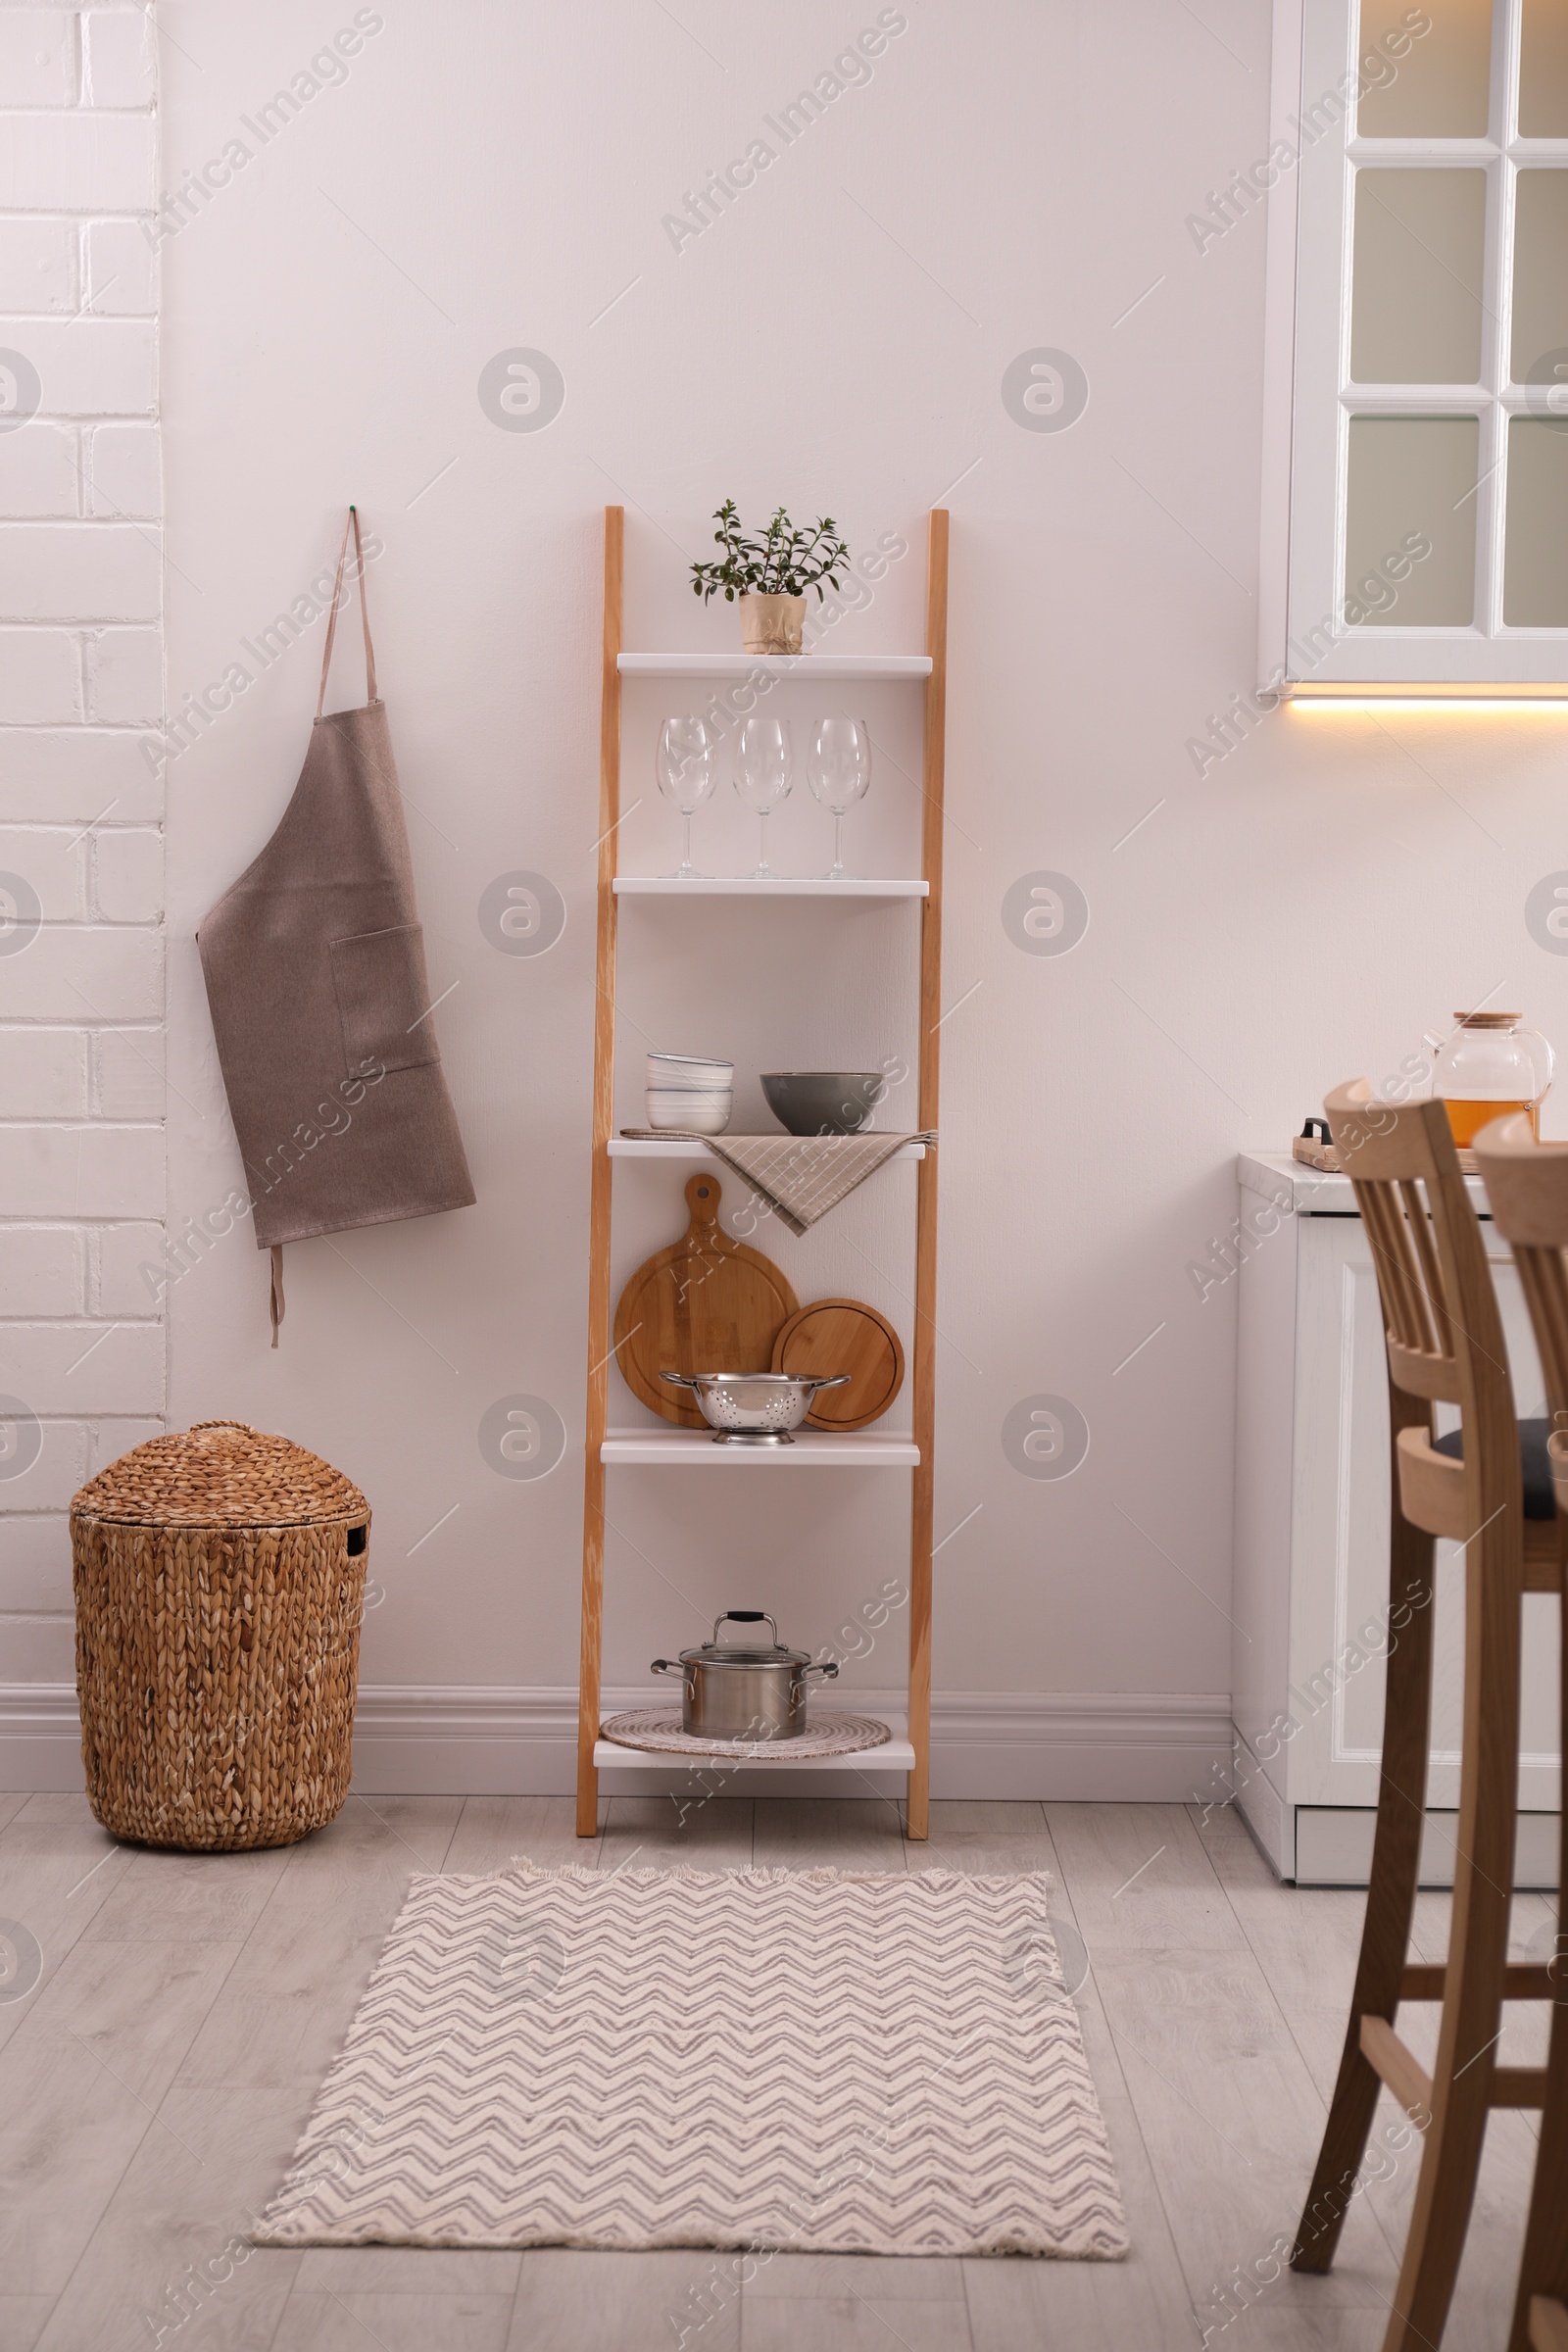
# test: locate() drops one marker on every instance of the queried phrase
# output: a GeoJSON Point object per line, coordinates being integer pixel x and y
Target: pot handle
{"type": "Point", "coordinates": [666, 1666]}
{"type": "Point", "coordinates": [745, 1617]}
{"type": "Point", "coordinates": [827, 1668]}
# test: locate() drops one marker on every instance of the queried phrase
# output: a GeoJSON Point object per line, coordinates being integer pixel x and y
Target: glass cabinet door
{"type": "Point", "coordinates": [1429, 437]}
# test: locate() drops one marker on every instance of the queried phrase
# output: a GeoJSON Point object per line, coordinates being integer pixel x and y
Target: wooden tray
{"type": "Point", "coordinates": [843, 1335]}
{"type": "Point", "coordinates": [707, 1304]}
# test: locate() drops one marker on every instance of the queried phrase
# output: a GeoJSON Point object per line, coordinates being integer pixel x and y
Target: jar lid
{"type": "Point", "coordinates": [218, 1474]}
{"type": "Point", "coordinates": [1488, 1020]}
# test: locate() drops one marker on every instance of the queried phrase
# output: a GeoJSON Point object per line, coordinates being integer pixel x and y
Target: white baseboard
{"type": "Point", "coordinates": [1099, 1748]}
{"type": "Point", "coordinates": [436, 1739]}
{"type": "Point", "coordinates": [1333, 1848]}
{"type": "Point", "coordinates": [1271, 1821]}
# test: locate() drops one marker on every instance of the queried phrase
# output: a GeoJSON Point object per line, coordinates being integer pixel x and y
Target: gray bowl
{"type": "Point", "coordinates": [823, 1101]}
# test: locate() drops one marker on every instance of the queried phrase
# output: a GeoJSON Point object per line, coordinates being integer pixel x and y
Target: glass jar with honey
{"type": "Point", "coordinates": [1489, 1068]}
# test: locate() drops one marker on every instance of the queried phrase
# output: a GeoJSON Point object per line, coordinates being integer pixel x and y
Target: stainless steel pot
{"type": "Point", "coordinates": [743, 1690]}
{"type": "Point", "coordinates": [754, 1409]}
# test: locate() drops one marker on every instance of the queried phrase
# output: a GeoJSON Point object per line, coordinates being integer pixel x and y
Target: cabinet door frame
{"type": "Point", "coordinates": [1306, 641]}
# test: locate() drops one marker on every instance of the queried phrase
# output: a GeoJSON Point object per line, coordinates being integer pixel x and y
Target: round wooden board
{"type": "Point", "coordinates": [843, 1335]}
{"type": "Point", "coordinates": [707, 1304]}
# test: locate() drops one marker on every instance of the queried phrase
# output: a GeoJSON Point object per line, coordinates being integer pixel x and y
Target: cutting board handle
{"type": "Point", "coordinates": [708, 1303]}
{"type": "Point", "coordinates": [703, 1198]}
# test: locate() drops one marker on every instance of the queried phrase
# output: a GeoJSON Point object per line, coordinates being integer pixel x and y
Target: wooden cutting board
{"type": "Point", "coordinates": [843, 1335]}
{"type": "Point", "coordinates": [707, 1304]}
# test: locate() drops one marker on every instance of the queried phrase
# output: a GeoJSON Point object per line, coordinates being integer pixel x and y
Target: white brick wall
{"type": "Point", "coordinates": [91, 365]}
{"type": "Point", "coordinates": [122, 469]}
{"type": "Point", "coordinates": [37, 266]}
{"type": "Point", "coordinates": [39, 471]}
{"type": "Point", "coordinates": [37, 57]}
{"type": "Point", "coordinates": [55, 570]}
{"type": "Point", "coordinates": [42, 1269]}
{"type": "Point", "coordinates": [117, 58]}
{"type": "Point", "coordinates": [43, 1075]}
{"type": "Point", "coordinates": [123, 675]}
{"type": "Point", "coordinates": [81, 952]}
{"type": "Point", "coordinates": [78, 772]}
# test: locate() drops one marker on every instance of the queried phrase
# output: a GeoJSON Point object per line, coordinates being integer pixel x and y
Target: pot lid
{"type": "Point", "coordinates": [745, 1653]}
{"type": "Point", "coordinates": [738, 1654]}
{"type": "Point", "coordinates": [218, 1474]}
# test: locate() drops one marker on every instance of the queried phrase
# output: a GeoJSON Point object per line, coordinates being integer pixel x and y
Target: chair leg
{"type": "Point", "coordinates": [1543, 2265]}
{"type": "Point", "coordinates": [1543, 2268]}
{"type": "Point", "coordinates": [1450, 2160]}
{"type": "Point", "coordinates": [1478, 1946]}
{"type": "Point", "coordinates": [1548, 2325]}
{"type": "Point", "coordinates": [1391, 1888]}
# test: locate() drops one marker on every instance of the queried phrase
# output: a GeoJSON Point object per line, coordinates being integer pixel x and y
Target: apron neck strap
{"type": "Point", "coordinates": [353, 524]}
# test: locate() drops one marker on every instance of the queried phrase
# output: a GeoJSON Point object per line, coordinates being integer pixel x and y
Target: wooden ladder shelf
{"type": "Point", "coordinates": [933, 672]}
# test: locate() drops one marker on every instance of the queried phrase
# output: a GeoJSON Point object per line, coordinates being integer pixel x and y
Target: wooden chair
{"type": "Point", "coordinates": [1444, 1345]}
{"type": "Point", "coordinates": [1527, 1185]}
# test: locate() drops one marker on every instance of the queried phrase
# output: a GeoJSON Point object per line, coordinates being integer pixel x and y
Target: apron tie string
{"type": "Point", "coordinates": [275, 1302]}
{"type": "Point", "coordinates": [353, 523]}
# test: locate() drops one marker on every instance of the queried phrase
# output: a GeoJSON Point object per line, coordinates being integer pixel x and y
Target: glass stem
{"type": "Point", "coordinates": [687, 859]}
{"type": "Point", "coordinates": [761, 854]}
{"type": "Point", "coordinates": [838, 841]}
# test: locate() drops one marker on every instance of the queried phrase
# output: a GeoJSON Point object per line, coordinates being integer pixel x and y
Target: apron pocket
{"type": "Point", "coordinates": [382, 993]}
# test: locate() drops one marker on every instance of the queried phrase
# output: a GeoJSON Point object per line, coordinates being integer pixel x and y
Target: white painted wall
{"type": "Point", "coordinates": [1010, 177]}
{"type": "Point", "coordinates": [81, 948]}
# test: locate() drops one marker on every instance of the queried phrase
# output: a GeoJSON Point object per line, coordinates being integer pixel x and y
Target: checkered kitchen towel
{"type": "Point", "coordinates": [800, 1176]}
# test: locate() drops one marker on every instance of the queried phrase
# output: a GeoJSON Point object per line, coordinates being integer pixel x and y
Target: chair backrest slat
{"type": "Point", "coordinates": [1545, 1273]}
{"type": "Point", "coordinates": [1527, 1185]}
{"type": "Point", "coordinates": [1440, 1310]}
{"type": "Point", "coordinates": [1408, 1312]}
{"type": "Point", "coordinates": [1418, 1225]}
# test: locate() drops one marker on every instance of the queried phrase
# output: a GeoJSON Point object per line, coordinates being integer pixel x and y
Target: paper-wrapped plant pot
{"type": "Point", "coordinates": [772, 624]}
{"type": "Point", "coordinates": [220, 1585]}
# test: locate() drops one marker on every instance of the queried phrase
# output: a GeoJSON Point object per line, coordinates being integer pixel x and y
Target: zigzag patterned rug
{"type": "Point", "coordinates": [883, 2064]}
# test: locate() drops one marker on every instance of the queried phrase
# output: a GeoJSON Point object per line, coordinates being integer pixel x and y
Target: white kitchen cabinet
{"type": "Point", "coordinates": [1311, 1548]}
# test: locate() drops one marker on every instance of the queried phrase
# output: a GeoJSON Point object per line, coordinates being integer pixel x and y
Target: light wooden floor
{"type": "Point", "coordinates": [153, 2086]}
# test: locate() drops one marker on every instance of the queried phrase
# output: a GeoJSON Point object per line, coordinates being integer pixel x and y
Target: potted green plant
{"type": "Point", "coordinates": [771, 576]}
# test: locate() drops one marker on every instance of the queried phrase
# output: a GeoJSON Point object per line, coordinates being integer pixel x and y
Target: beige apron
{"type": "Point", "coordinates": [314, 968]}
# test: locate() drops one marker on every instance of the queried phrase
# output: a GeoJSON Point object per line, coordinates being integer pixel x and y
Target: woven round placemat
{"type": "Point", "coordinates": [218, 1474]}
{"type": "Point", "coordinates": [658, 1728]}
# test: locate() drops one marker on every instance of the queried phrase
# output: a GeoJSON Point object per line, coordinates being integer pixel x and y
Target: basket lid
{"type": "Point", "coordinates": [216, 1474]}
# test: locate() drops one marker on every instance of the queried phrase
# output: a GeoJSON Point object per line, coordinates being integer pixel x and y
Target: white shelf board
{"type": "Point", "coordinates": [811, 1450]}
{"type": "Point", "coordinates": [631, 1146]}
{"type": "Point", "coordinates": [667, 886]}
{"type": "Point", "coordinates": [893, 1755]}
{"type": "Point", "coordinates": [835, 666]}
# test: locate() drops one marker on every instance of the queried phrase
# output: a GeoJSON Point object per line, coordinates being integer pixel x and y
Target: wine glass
{"type": "Point", "coordinates": [685, 771]}
{"type": "Point", "coordinates": [839, 766]}
{"type": "Point", "coordinates": [764, 770]}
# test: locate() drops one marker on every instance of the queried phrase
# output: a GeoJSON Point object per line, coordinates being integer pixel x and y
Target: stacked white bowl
{"type": "Point", "coordinates": [686, 1092]}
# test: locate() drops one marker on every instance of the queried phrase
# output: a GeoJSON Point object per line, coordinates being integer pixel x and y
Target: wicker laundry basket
{"type": "Point", "coordinates": [220, 1580]}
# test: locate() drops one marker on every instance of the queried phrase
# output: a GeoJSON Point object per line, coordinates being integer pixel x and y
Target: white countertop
{"type": "Point", "coordinates": [1311, 1192]}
